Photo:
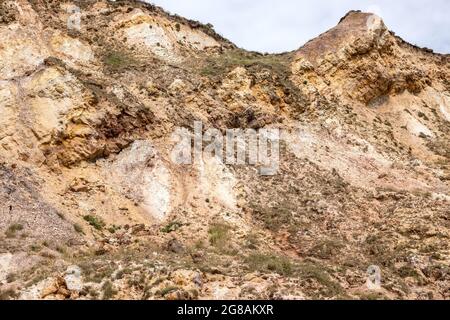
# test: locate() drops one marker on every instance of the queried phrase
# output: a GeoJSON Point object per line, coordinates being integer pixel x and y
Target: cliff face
{"type": "Point", "coordinates": [90, 97]}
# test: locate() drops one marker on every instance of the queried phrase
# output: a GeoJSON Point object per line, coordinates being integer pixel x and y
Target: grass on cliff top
{"type": "Point", "coordinates": [220, 64]}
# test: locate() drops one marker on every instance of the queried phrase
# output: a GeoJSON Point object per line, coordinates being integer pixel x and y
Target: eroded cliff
{"type": "Point", "coordinates": [93, 204]}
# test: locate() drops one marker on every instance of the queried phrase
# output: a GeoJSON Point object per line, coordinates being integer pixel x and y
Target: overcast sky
{"type": "Point", "coordinates": [284, 25]}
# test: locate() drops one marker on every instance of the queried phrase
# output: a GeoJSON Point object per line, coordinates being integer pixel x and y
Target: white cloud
{"type": "Point", "coordinates": [284, 25]}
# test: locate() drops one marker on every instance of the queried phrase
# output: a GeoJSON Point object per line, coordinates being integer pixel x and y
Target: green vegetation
{"type": "Point", "coordinates": [12, 230]}
{"type": "Point", "coordinates": [96, 273]}
{"type": "Point", "coordinates": [108, 290]}
{"type": "Point", "coordinates": [121, 273]}
{"type": "Point", "coordinates": [96, 222]}
{"type": "Point", "coordinates": [330, 288]}
{"type": "Point", "coordinates": [167, 290]}
{"type": "Point", "coordinates": [171, 227]}
{"type": "Point", "coordinates": [218, 235]}
{"type": "Point", "coordinates": [218, 65]}
{"type": "Point", "coordinates": [113, 228]}
{"type": "Point", "coordinates": [266, 263]}
{"type": "Point", "coordinates": [117, 60]}
{"type": "Point", "coordinates": [35, 248]}
{"type": "Point", "coordinates": [326, 249]}
{"type": "Point", "coordinates": [275, 217]}
{"type": "Point", "coordinates": [270, 263]}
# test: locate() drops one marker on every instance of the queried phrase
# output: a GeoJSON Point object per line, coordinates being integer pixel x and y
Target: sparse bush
{"type": "Point", "coordinates": [275, 217]}
{"type": "Point", "coordinates": [318, 273]}
{"type": "Point", "coordinates": [113, 229]}
{"type": "Point", "coordinates": [95, 273]}
{"type": "Point", "coordinates": [11, 277]}
{"type": "Point", "coordinates": [108, 290]}
{"type": "Point", "coordinates": [95, 222]}
{"type": "Point", "coordinates": [326, 249]}
{"type": "Point", "coordinates": [165, 291]}
{"type": "Point", "coordinates": [218, 235]}
{"type": "Point", "coordinates": [372, 296]}
{"type": "Point", "coordinates": [8, 294]}
{"type": "Point", "coordinates": [199, 244]}
{"type": "Point", "coordinates": [122, 272]}
{"type": "Point", "coordinates": [118, 60]}
{"type": "Point", "coordinates": [61, 249]}
{"type": "Point", "coordinates": [35, 248]}
{"type": "Point", "coordinates": [407, 271]}
{"type": "Point", "coordinates": [171, 227]}
{"type": "Point", "coordinates": [223, 63]}
{"type": "Point", "coordinates": [93, 293]}
{"type": "Point", "coordinates": [270, 263]}
{"type": "Point", "coordinates": [78, 228]}
{"type": "Point", "coordinates": [12, 230]}
{"type": "Point", "coordinates": [252, 241]}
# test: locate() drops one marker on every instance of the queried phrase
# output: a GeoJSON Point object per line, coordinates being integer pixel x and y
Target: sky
{"type": "Point", "coordinates": [275, 26]}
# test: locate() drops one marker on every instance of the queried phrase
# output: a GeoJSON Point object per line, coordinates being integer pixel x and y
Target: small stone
{"type": "Point", "coordinates": [175, 246]}
{"type": "Point", "coordinates": [73, 279]}
{"type": "Point", "coordinates": [79, 185]}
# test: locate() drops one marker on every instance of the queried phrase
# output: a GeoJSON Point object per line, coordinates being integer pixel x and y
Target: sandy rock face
{"type": "Point", "coordinates": [5, 261]}
{"type": "Point", "coordinates": [340, 56]}
{"type": "Point", "coordinates": [141, 175]}
{"type": "Point", "coordinates": [21, 51]}
{"type": "Point", "coordinates": [53, 95]}
{"type": "Point", "coordinates": [72, 48]}
{"type": "Point", "coordinates": [216, 181]}
{"type": "Point", "coordinates": [153, 37]}
{"type": "Point", "coordinates": [444, 105]}
{"type": "Point", "coordinates": [97, 205]}
{"type": "Point", "coordinates": [9, 111]}
{"type": "Point", "coordinates": [161, 36]}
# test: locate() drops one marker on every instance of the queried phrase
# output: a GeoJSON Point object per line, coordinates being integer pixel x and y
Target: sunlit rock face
{"type": "Point", "coordinates": [94, 96]}
{"type": "Point", "coordinates": [140, 175]}
{"type": "Point", "coordinates": [164, 38]}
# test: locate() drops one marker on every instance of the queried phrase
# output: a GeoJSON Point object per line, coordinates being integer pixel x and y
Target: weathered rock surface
{"type": "Point", "coordinates": [93, 205]}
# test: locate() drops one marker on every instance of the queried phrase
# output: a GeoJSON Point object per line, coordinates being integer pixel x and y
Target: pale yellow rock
{"type": "Point", "coordinates": [72, 48]}
{"type": "Point", "coordinates": [21, 51]}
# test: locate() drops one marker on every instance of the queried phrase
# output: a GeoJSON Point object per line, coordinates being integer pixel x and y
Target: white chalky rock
{"type": "Point", "coordinates": [5, 261]}
{"type": "Point", "coordinates": [73, 278]}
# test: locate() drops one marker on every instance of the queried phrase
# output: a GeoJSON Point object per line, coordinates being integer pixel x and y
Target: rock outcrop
{"type": "Point", "coordinates": [92, 95]}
